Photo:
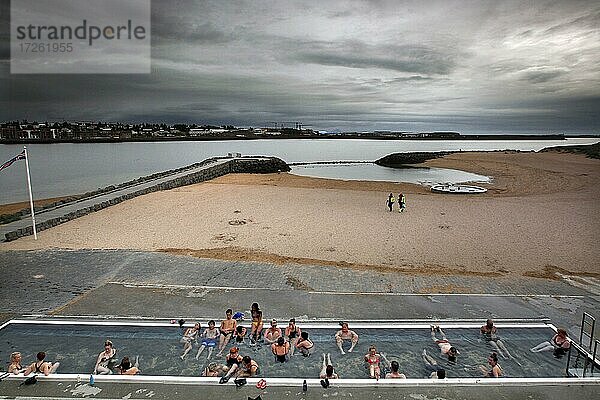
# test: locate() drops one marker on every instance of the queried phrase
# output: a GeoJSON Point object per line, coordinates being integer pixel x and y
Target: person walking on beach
{"type": "Point", "coordinates": [401, 202]}
{"type": "Point", "coordinates": [390, 201]}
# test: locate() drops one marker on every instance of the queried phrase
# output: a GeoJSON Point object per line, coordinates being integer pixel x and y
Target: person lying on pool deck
{"type": "Point", "coordinates": [490, 334]}
{"type": "Point", "coordinates": [346, 334]}
{"type": "Point", "coordinates": [445, 347]}
{"type": "Point", "coordinates": [41, 366]}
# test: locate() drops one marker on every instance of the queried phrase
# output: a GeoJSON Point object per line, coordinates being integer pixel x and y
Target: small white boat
{"type": "Point", "coordinates": [458, 189]}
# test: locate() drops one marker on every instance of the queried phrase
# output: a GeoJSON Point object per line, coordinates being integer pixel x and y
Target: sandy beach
{"type": "Point", "coordinates": [539, 216]}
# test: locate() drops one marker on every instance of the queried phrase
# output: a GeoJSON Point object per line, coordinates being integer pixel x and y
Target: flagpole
{"type": "Point", "coordinates": [30, 195]}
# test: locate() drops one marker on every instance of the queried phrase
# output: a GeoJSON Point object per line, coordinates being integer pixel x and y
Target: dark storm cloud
{"type": "Point", "coordinates": [407, 58]}
{"type": "Point", "coordinates": [490, 66]}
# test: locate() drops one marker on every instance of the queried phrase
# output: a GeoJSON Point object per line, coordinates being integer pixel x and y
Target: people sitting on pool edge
{"type": "Point", "coordinates": [280, 349]}
{"type": "Point", "coordinates": [372, 358]}
{"type": "Point", "coordinates": [436, 372]}
{"type": "Point", "coordinates": [227, 329]}
{"type": "Point", "coordinates": [125, 368]}
{"type": "Point", "coordinates": [273, 332]}
{"type": "Point", "coordinates": [190, 335]}
{"type": "Point", "coordinates": [559, 344]}
{"type": "Point", "coordinates": [490, 334]}
{"type": "Point", "coordinates": [345, 334]}
{"type": "Point", "coordinates": [304, 344]}
{"type": "Point", "coordinates": [496, 370]}
{"type": "Point", "coordinates": [41, 366]}
{"type": "Point", "coordinates": [393, 368]}
{"type": "Point", "coordinates": [15, 366]}
{"type": "Point", "coordinates": [292, 333]}
{"type": "Point", "coordinates": [208, 339]}
{"type": "Point", "coordinates": [246, 369]}
{"type": "Point", "coordinates": [106, 359]}
{"type": "Point", "coordinates": [444, 344]}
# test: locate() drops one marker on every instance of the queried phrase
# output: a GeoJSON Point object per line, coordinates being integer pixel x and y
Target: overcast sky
{"type": "Point", "coordinates": [472, 67]}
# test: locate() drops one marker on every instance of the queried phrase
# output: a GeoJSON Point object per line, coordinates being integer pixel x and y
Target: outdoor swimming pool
{"type": "Point", "coordinates": [76, 346]}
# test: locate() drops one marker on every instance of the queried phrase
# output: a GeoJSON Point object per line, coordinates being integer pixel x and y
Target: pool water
{"type": "Point", "coordinates": [77, 346]}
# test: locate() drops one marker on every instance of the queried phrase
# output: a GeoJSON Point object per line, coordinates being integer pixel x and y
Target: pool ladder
{"type": "Point", "coordinates": [587, 349]}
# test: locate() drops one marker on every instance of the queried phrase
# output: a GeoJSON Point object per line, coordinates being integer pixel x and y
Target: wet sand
{"type": "Point", "coordinates": [539, 217]}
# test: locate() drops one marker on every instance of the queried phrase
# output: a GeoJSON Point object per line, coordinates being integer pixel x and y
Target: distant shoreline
{"type": "Point", "coordinates": [311, 137]}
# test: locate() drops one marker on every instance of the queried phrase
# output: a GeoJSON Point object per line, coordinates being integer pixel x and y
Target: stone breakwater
{"type": "Point", "coordinates": [199, 172]}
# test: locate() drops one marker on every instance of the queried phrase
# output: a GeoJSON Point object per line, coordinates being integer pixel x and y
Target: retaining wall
{"type": "Point", "coordinates": [240, 165]}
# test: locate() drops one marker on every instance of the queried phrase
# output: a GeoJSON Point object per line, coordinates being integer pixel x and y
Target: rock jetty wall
{"type": "Point", "coordinates": [262, 165]}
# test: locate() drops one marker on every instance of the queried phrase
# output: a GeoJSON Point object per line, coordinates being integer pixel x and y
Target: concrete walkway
{"type": "Point", "coordinates": [63, 213]}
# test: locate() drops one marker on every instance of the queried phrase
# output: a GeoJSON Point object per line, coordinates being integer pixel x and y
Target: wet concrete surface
{"type": "Point", "coordinates": [155, 285]}
{"type": "Point", "coordinates": [150, 284]}
{"type": "Point", "coordinates": [421, 391]}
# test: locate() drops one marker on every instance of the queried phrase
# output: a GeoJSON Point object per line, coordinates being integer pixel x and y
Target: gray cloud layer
{"type": "Point", "coordinates": [475, 67]}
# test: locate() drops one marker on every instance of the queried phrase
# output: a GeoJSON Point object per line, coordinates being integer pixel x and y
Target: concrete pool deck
{"type": "Point", "coordinates": [155, 285]}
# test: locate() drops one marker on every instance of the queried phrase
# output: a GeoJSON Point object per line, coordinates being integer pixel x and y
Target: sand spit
{"type": "Point", "coordinates": [540, 217]}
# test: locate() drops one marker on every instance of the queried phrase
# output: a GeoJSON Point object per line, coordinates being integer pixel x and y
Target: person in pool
{"type": "Point", "coordinates": [233, 357]}
{"type": "Point", "coordinates": [394, 368]}
{"type": "Point", "coordinates": [214, 370]}
{"type": "Point", "coordinates": [209, 339]}
{"type": "Point", "coordinates": [273, 332]}
{"type": "Point", "coordinates": [190, 335]}
{"type": "Point", "coordinates": [257, 322]}
{"type": "Point", "coordinates": [125, 368]}
{"type": "Point", "coordinates": [496, 370]}
{"type": "Point", "coordinates": [560, 344]}
{"type": "Point", "coordinates": [304, 345]}
{"type": "Point", "coordinates": [227, 329]}
{"type": "Point", "coordinates": [240, 334]}
{"type": "Point", "coordinates": [41, 366]}
{"type": "Point", "coordinates": [248, 368]}
{"type": "Point", "coordinates": [435, 371]}
{"type": "Point", "coordinates": [15, 366]}
{"type": "Point", "coordinates": [280, 349]}
{"type": "Point", "coordinates": [490, 335]}
{"type": "Point", "coordinates": [105, 359]}
{"type": "Point", "coordinates": [373, 359]}
{"type": "Point", "coordinates": [327, 371]}
{"type": "Point", "coordinates": [292, 334]}
{"type": "Point", "coordinates": [346, 334]}
{"type": "Point", "coordinates": [444, 344]}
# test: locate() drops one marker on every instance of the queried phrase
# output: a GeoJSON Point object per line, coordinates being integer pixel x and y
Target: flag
{"type": "Point", "coordinates": [20, 156]}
